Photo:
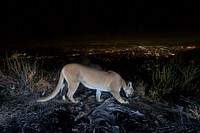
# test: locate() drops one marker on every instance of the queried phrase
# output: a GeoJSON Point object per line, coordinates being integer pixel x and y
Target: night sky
{"type": "Point", "coordinates": [31, 20]}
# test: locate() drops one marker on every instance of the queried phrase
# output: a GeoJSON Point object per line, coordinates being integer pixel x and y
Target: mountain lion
{"type": "Point", "coordinates": [91, 78]}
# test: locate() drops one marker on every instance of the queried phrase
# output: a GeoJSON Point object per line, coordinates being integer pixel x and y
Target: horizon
{"type": "Point", "coordinates": [29, 22]}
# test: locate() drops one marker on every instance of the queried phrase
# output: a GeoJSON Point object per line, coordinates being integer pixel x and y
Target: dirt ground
{"type": "Point", "coordinates": [21, 114]}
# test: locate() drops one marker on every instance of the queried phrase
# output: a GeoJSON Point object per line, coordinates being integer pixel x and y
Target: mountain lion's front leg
{"type": "Point", "coordinates": [98, 96]}
{"type": "Point", "coordinates": [117, 96]}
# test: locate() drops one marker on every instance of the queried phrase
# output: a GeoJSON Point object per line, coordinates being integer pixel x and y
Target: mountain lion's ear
{"type": "Point", "coordinates": [129, 84]}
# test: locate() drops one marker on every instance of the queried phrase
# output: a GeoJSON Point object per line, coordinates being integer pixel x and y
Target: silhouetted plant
{"type": "Point", "coordinates": [175, 79]}
{"type": "Point", "coordinates": [19, 75]}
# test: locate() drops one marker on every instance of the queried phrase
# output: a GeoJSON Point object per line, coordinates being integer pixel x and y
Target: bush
{"type": "Point", "coordinates": [175, 79]}
{"type": "Point", "coordinates": [19, 75]}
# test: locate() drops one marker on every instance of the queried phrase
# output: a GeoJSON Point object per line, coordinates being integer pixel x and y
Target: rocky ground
{"type": "Point", "coordinates": [21, 114]}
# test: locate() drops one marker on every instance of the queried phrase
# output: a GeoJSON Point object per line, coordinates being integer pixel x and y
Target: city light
{"type": "Point", "coordinates": [108, 50]}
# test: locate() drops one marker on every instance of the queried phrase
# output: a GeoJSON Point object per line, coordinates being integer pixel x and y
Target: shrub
{"type": "Point", "coordinates": [19, 75]}
{"type": "Point", "coordinates": [175, 79]}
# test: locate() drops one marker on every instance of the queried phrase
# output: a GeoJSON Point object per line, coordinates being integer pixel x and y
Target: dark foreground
{"type": "Point", "coordinates": [20, 114]}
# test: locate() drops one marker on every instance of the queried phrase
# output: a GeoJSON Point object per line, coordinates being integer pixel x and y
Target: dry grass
{"type": "Point", "coordinates": [20, 76]}
{"type": "Point", "coordinates": [175, 80]}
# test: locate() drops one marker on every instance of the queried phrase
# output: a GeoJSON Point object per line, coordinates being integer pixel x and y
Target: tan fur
{"type": "Point", "coordinates": [91, 78]}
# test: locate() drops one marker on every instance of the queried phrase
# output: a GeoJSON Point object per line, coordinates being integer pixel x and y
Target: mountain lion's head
{"type": "Point", "coordinates": [129, 89]}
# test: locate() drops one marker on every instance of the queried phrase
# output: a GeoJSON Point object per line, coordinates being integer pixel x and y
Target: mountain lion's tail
{"type": "Point", "coordinates": [55, 92]}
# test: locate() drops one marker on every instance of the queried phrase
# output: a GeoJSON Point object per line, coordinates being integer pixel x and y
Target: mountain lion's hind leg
{"type": "Point", "coordinates": [98, 96]}
{"type": "Point", "coordinates": [72, 87]}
